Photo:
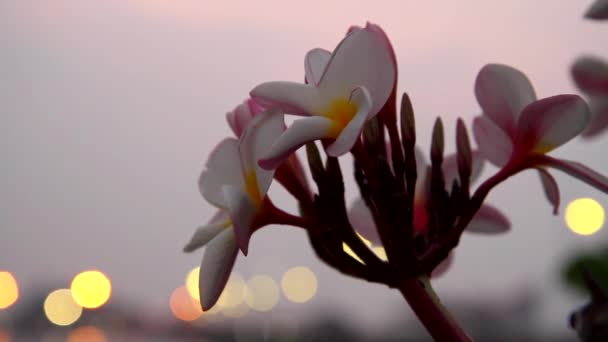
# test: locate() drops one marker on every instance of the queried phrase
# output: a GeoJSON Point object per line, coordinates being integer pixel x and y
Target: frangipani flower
{"type": "Point", "coordinates": [516, 130]}
{"type": "Point", "coordinates": [242, 114]}
{"type": "Point", "coordinates": [591, 77]}
{"type": "Point", "coordinates": [599, 10]}
{"type": "Point", "coordinates": [237, 186]}
{"type": "Point", "coordinates": [344, 90]}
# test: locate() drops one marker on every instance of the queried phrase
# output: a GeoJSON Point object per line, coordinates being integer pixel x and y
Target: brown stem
{"type": "Point", "coordinates": [425, 304]}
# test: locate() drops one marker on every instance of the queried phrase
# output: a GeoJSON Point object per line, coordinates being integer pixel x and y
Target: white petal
{"type": "Point", "coordinates": [580, 171]}
{"type": "Point", "coordinates": [292, 98]}
{"type": "Point", "coordinates": [550, 188]}
{"type": "Point", "coordinates": [591, 75]}
{"type": "Point", "coordinates": [494, 144]}
{"type": "Point", "coordinates": [242, 210]}
{"type": "Point", "coordinates": [489, 220]}
{"type": "Point", "coordinates": [301, 132]}
{"type": "Point", "coordinates": [314, 64]}
{"type": "Point", "coordinates": [349, 135]}
{"type": "Point", "coordinates": [205, 233]}
{"type": "Point", "coordinates": [218, 260]}
{"type": "Point", "coordinates": [223, 167]}
{"type": "Point", "coordinates": [502, 92]}
{"type": "Point", "coordinates": [256, 141]}
{"type": "Point", "coordinates": [599, 10]}
{"type": "Point", "coordinates": [599, 117]}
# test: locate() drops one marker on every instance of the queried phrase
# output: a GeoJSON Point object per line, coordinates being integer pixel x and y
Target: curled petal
{"type": "Point", "coordinates": [363, 58]}
{"type": "Point", "coordinates": [314, 65]}
{"type": "Point", "coordinates": [223, 167]}
{"type": "Point", "coordinates": [551, 189]}
{"type": "Point", "coordinates": [241, 115]}
{"type": "Point", "coordinates": [301, 132]}
{"type": "Point", "coordinates": [292, 98]}
{"type": "Point", "coordinates": [579, 171]}
{"type": "Point", "coordinates": [551, 122]}
{"type": "Point", "coordinates": [494, 144]}
{"type": "Point", "coordinates": [242, 210]}
{"type": "Point", "coordinates": [598, 11]}
{"type": "Point", "coordinates": [362, 221]}
{"type": "Point", "coordinates": [349, 135]}
{"type": "Point", "coordinates": [489, 220]}
{"type": "Point", "coordinates": [591, 75]}
{"type": "Point", "coordinates": [502, 92]}
{"type": "Point", "coordinates": [206, 233]}
{"type": "Point", "coordinates": [257, 139]}
{"type": "Point", "coordinates": [216, 266]}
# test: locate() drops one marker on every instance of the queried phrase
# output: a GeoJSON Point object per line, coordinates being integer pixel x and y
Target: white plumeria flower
{"type": "Point", "coordinates": [241, 115]}
{"type": "Point", "coordinates": [598, 11]}
{"type": "Point", "coordinates": [345, 89]}
{"type": "Point", "coordinates": [237, 186]}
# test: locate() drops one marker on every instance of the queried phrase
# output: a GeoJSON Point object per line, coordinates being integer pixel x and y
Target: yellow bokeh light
{"type": "Point", "coordinates": [61, 308]}
{"type": "Point", "coordinates": [584, 216]}
{"type": "Point", "coordinates": [236, 311]}
{"type": "Point", "coordinates": [234, 292]}
{"type": "Point", "coordinates": [9, 291]}
{"type": "Point", "coordinates": [299, 284]}
{"type": "Point", "coordinates": [91, 289]}
{"type": "Point", "coordinates": [192, 283]}
{"type": "Point", "coordinates": [183, 306]}
{"type": "Point", "coordinates": [262, 293]}
{"type": "Point", "coordinates": [87, 333]}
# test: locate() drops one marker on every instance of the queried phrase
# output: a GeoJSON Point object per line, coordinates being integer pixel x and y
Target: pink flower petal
{"type": "Point", "coordinates": [292, 98]}
{"type": "Point", "coordinates": [242, 210]}
{"type": "Point", "coordinates": [362, 221]}
{"type": "Point", "coordinates": [206, 233]}
{"type": "Point", "coordinates": [599, 117]}
{"type": "Point", "coordinates": [216, 266]}
{"type": "Point", "coordinates": [241, 115]}
{"type": "Point", "coordinates": [349, 135]}
{"type": "Point", "coordinates": [551, 122]}
{"type": "Point", "coordinates": [262, 132]}
{"type": "Point", "coordinates": [363, 58]}
{"type": "Point", "coordinates": [301, 132]}
{"type": "Point", "coordinates": [502, 92]}
{"type": "Point", "coordinates": [314, 65]}
{"type": "Point", "coordinates": [489, 220]}
{"type": "Point", "coordinates": [551, 189]}
{"type": "Point", "coordinates": [579, 171]}
{"type": "Point", "coordinates": [494, 144]}
{"type": "Point", "coordinates": [598, 11]}
{"type": "Point", "coordinates": [223, 167]}
{"type": "Point", "coordinates": [591, 75]}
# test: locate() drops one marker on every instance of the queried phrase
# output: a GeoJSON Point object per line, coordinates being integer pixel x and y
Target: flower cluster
{"type": "Point", "coordinates": [416, 210]}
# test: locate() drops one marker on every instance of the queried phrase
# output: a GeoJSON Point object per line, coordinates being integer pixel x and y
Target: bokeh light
{"type": "Point", "coordinates": [87, 333]}
{"type": "Point", "coordinates": [91, 289]}
{"type": "Point", "coordinates": [4, 336]}
{"type": "Point", "coordinates": [584, 216]}
{"type": "Point", "coordinates": [183, 306]}
{"type": "Point", "coordinates": [61, 309]}
{"type": "Point", "coordinates": [299, 284]}
{"type": "Point", "coordinates": [192, 283]}
{"type": "Point", "coordinates": [9, 291]}
{"type": "Point", "coordinates": [262, 293]}
{"type": "Point", "coordinates": [234, 292]}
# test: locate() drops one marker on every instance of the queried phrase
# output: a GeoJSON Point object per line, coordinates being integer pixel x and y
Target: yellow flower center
{"type": "Point", "coordinates": [251, 186]}
{"type": "Point", "coordinates": [341, 112]}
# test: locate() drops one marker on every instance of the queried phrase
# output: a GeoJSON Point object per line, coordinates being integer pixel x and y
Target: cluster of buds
{"type": "Point", "coordinates": [417, 212]}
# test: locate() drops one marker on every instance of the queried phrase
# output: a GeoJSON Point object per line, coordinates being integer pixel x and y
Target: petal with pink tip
{"type": "Point", "coordinates": [301, 132]}
{"type": "Point", "coordinates": [223, 167]}
{"type": "Point", "coordinates": [599, 117]}
{"type": "Point", "coordinates": [591, 75]}
{"type": "Point", "coordinates": [206, 233]}
{"type": "Point", "coordinates": [551, 122]}
{"type": "Point", "coordinates": [362, 58]}
{"type": "Point", "coordinates": [598, 11]}
{"type": "Point", "coordinates": [550, 188]}
{"type": "Point", "coordinates": [349, 135]}
{"type": "Point", "coordinates": [262, 132]}
{"type": "Point", "coordinates": [360, 217]}
{"type": "Point", "coordinates": [489, 220]}
{"type": "Point", "coordinates": [239, 118]}
{"type": "Point", "coordinates": [242, 210]}
{"type": "Point", "coordinates": [578, 170]}
{"type": "Point", "coordinates": [292, 98]}
{"type": "Point", "coordinates": [494, 144]}
{"type": "Point", "coordinates": [314, 64]}
{"type": "Point", "coordinates": [216, 266]}
{"type": "Point", "coordinates": [502, 92]}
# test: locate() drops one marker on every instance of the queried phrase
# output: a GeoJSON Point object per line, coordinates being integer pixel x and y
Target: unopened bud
{"type": "Point", "coordinates": [437, 144]}
{"type": "Point", "coordinates": [463, 147]}
{"type": "Point", "coordinates": [408, 124]}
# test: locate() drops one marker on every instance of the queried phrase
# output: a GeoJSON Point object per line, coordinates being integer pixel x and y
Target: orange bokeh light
{"type": "Point", "coordinates": [183, 306]}
{"type": "Point", "coordinates": [9, 291]}
{"type": "Point", "coordinates": [87, 334]}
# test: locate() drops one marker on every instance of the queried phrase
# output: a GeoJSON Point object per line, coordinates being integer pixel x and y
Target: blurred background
{"type": "Point", "coordinates": [108, 110]}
